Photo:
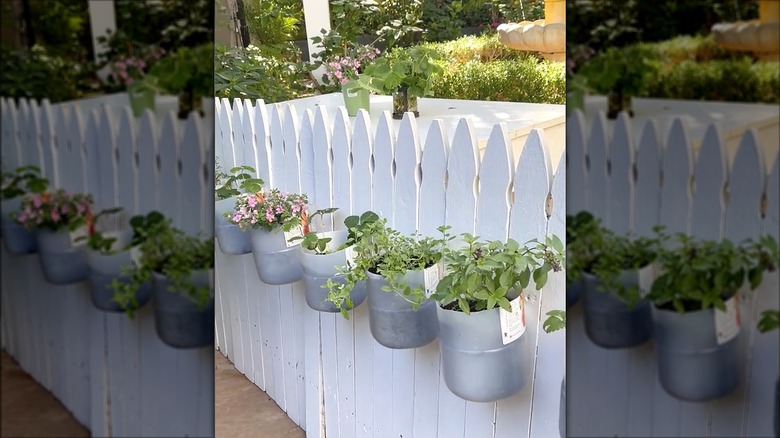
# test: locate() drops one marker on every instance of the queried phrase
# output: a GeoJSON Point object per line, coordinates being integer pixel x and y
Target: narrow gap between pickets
{"type": "Point", "coordinates": [320, 380]}
{"type": "Point", "coordinates": [107, 374]}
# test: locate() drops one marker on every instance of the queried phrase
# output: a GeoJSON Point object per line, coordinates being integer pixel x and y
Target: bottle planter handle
{"type": "Point", "coordinates": [62, 262]}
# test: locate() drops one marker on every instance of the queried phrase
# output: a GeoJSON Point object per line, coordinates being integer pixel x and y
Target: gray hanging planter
{"type": "Point", "coordinates": [180, 323]}
{"type": "Point", "coordinates": [318, 268]}
{"type": "Point", "coordinates": [276, 262]}
{"type": "Point", "coordinates": [104, 268]}
{"type": "Point", "coordinates": [16, 239]}
{"type": "Point", "coordinates": [609, 323]}
{"type": "Point", "coordinates": [393, 322]}
{"type": "Point", "coordinates": [562, 411]}
{"type": "Point", "coordinates": [574, 292]}
{"type": "Point", "coordinates": [62, 262]}
{"type": "Point", "coordinates": [477, 366]}
{"type": "Point", "coordinates": [230, 238]}
{"type": "Point", "coordinates": [692, 365]}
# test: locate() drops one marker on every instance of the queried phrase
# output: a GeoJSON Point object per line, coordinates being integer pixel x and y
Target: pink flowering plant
{"type": "Point", "coordinates": [340, 69]}
{"type": "Point", "coordinates": [270, 211]}
{"type": "Point", "coordinates": [55, 211]}
{"type": "Point", "coordinates": [127, 70]}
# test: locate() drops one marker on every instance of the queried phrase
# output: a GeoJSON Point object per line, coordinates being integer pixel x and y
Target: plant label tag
{"type": "Point", "coordinates": [512, 323]}
{"type": "Point", "coordinates": [727, 323]}
{"type": "Point", "coordinates": [79, 236]}
{"type": "Point", "coordinates": [295, 232]}
{"type": "Point", "coordinates": [431, 277]}
{"type": "Point", "coordinates": [350, 255]}
{"type": "Point", "coordinates": [645, 278]}
{"type": "Point", "coordinates": [135, 255]}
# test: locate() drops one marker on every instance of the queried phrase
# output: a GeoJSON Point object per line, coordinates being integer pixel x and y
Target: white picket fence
{"type": "Point", "coordinates": [327, 373]}
{"type": "Point", "coordinates": [634, 186]}
{"type": "Point", "coordinates": [114, 374]}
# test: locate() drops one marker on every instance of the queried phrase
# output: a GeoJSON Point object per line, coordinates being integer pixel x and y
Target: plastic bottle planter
{"type": "Point", "coordinates": [355, 100]}
{"type": "Point", "coordinates": [317, 269]}
{"type": "Point", "coordinates": [477, 365]}
{"type": "Point", "coordinates": [393, 322]}
{"type": "Point", "coordinates": [61, 260]}
{"type": "Point", "coordinates": [140, 98]}
{"type": "Point", "coordinates": [695, 362]}
{"type": "Point", "coordinates": [230, 238]}
{"type": "Point", "coordinates": [16, 239]}
{"type": "Point", "coordinates": [562, 411]}
{"type": "Point", "coordinates": [574, 292]}
{"type": "Point", "coordinates": [104, 268]}
{"type": "Point", "coordinates": [179, 321]}
{"type": "Point", "coordinates": [609, 323]}
{"type": "Point", "coordinates": [277, 261]}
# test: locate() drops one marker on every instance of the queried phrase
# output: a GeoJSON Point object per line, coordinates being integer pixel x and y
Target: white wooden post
{"type": "Point", "coordinates": [317, 16]}
{"type": "Point", "coordinates": [101, 20]}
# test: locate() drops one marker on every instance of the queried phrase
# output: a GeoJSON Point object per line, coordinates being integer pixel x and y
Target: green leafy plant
{"type": "Point", "coordinates": [241, 179]}
{"type": "Point", "coordinates": [583, 234]}
{"type": "Point", "coordinates": [188, 69]}
{"type": "Point", "coordinates": [387, 252]}
{"type": "Point", "coordinates": [169, 251]}
{"type": "Point", "coordinates": [95, 239]}
{"type": "Point", "coordinates": [770, 320]}
{"type": "Point", "coordinates": [699, 274]}
{"type": "Point", "coordinates": [413, 69]}
{"type": "Point", "coordinates": [556, 320]}
{"type": "Point", "coordinates": [312, 240]}
{"type": "Point", "coordinates": [23, 180]}
{"type": "Point", "coordinates": [619, 70]}
{"type": "Point", "coordinates": [482, 275]}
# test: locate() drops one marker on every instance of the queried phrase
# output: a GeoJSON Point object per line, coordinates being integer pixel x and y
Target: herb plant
{"type": "Point", "coordinates": [312, 240]}
{"type": "Point", "coordinates": [699, 274]}
{"type": "Point", "coordinates": [770, 320]}
{"type": "Point", "coordinates": [481, 275]}
{"type": "Point", "coordinates": [25, 179]}
{"type": "Point", "coordinates": [95, 239]}
{"type": "Point", "coordinates": [413, 69]}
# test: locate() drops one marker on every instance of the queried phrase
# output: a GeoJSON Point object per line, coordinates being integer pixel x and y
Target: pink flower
{"type": "Point", "coordinates": [252, 201]}
{"type": "Point", "coordinates": [37, 201]}
{"type": "Point", "coordinates": [55, 216]}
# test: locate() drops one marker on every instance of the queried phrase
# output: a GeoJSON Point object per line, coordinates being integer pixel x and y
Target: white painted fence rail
{"type": "Point", "coordinates": [328, 373]}
{"type": "Point", "coordinates": [661, 181]}
{"type": "Point", "coordinates": [113, 373]}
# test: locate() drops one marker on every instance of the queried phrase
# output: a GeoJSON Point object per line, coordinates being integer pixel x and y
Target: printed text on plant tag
{"type": "Point", "coordinates": [512, 323]}
{"type": "Point", "coordinates": [727, 323]}
{"type": "Point", "coordinates": [135, 255]}
{"type": "Point", "coordinates": [646, 276]}
{"type": "Point", "coordinates": [431, 277]}
{"type": "Point", "coordinates": [79, 236]}
{"type": "Point", "coordinates": [295, 232]}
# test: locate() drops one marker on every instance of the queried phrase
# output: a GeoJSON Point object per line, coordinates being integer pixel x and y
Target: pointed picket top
{"type": "Point", "coordinates": [92, 151]}
{"type": "Point", "coordinates": [342, 171]}
{"type": "Point", "coordinates": [277, 148]}
{"type": "Point", "coordinates": [238, 110]}
{"type": "Point", "coordinates": [76, 149]}
{"type": "Point", "coordinates": [192, 214]}
{"type": "Point", "coordinates": [746, 186]}
{"type": "Point", "coordinates": [308, 185]}
{"type": "Point", "coordinates": [406, 189]}
{"type": "Point", "coordinates": [292, 154]}
{"type": "Point", "coordinates": [12, 153]}
{"type": "Point", "coordinates": [234, 139]}
{"type": "Point", "coordinates": [576, 169]}
{"type": "Point", "coordinates": [598, 181]}
{"type": "Point", "coordinates": [244, 151]}
{"type": "Point", "coordinates": [147, 172]}
{"type": "Point", "coordinates": [382, 190]}
{"type": "Point", "coordinates": [621, 178]}
{"type": "Point", "coordinates": [556, 225]}
{"type": "Point", "coordinates": [362, 174]}
{"type": "Point", "coordinates": [531, 185]}
{"type": "Point", "coordinates": [461, 197]}
{"type": "Point", "coordinates": [262, 143]}
{"type": "Point", "coordinates": [224, 122]}
{"type": "Point", "coordinates": [676, 189]}
{"type": "Point", "coordinates": [169, 170]}
{"type": "Point", "coordinates": [322, 159]}
{"type": "Point", "coordinates": [44, 130]}
{"type": "Point", "coordinates": [771, 221]}
{"type": "Point", "coordinates": [647, 192]}
{"type": "Point", "coordinates": [105, 192]}
{"type": "Point", "coordinates": [30, 142]}
{"type": "Point", "coordinates": [433, 184]}
{"type": "Point", "coordinates": [125, 154]}
{"type": "Point", "coordinates": [495, 184]}
{"type": "Point", "coordinates": [709, 183]}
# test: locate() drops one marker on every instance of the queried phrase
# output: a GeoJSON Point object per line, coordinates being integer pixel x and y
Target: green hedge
{"type": "Point", "coordinates": [481, 68]}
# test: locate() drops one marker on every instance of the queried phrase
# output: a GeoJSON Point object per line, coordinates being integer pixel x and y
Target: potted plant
{"type": "Point", "coordinates": [484, 355]}
{"type": "Point", "coordinates": [696, 312]}
{"type": "Point", "coordinates": [273, 218]}
{"type": "Point", "coordinates": [394, 266]}
{"type": "Point", "coordinates": [130, 72]}
{"type": "Point", "coordinates": [108, 257]}
{"type": "Point", "coordinates": [344, 60]}
{"type": "Point", "coordinates": [180, 267]}
{"type": "Point", "coordinates": [58, 218]}
{"type": "Point", "coordinates": [613, 269]}
{"type": "Point", "coordinates": [581, 224]}
{"type": "Point", "coordinates": [404, 74]}
{"type": "Point", "coordinates": [770, 320]}
{"type": "Point", "coordinates": [16, 184]}
{"type": "Point", "coordinates": [231, 238]}
{"type": "Point", "coordinates": [620, 73]}
{"type": "Point", "coordinates": [189, 73]}
{"type": "Point", "coordinates": [322, 253]}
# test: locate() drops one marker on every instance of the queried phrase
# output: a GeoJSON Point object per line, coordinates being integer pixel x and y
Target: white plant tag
{"type": "Point", "coordinates": [78, 233]}
{"type": "Point", "coordinates": [135, 255]}
{"type": "Point", "coordinates": [431, 277]}
{"type": "Point", "coordinates": [645, 278]}
{"type": "Point", "coordinates": [350, 254]}
{"type": "Point", "coordinates": [295, 232]}
{"type": "Point", "coordinates": [727, 323]}
{"type": "Point", "coordinates": [512, 323]}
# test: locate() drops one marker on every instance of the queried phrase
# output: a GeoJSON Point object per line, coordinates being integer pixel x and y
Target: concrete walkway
{"type": "Point", "coordinates": [244, 411]}
{"type": "Point", "coordinates": [29, 410]}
